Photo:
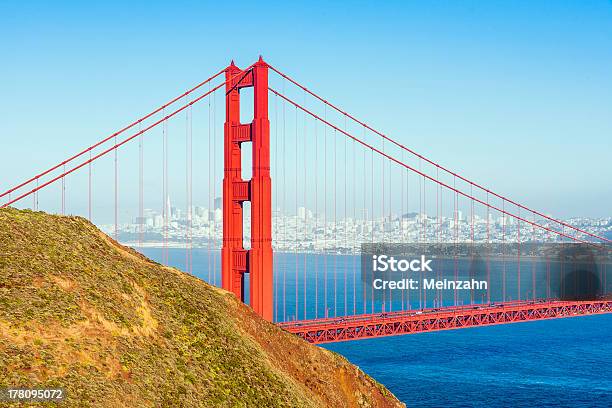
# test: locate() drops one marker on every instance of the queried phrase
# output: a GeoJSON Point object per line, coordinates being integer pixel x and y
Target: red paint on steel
{"type": "Point", "coordinates": [428, 320]}
{"type": "Point", "coordinates": [236, 261]}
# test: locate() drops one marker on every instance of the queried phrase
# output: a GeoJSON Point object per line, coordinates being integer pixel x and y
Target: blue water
{"type": "Point", "coordinates": [563, 362]}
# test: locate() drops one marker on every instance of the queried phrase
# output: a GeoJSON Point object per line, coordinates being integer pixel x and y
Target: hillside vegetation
{"type": "Point", "coordinates": [79, 311]}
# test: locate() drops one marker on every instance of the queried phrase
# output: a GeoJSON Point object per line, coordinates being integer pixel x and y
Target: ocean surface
{"type": "Point", "coordinates": [555, 363]}
{"type": "Point", "coordinates": [563, 362]}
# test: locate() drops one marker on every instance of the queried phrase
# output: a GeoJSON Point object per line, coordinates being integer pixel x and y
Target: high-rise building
{"type": "Point", "coordinates": [302, 213]}
{"type": "Point", "coordinates": [158, 221]}
{"type": "Point", "coordinates": [168, 209]}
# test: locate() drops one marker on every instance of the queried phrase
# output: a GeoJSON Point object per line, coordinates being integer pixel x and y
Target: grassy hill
{"type": "Point", "coordinates": [80, 311]}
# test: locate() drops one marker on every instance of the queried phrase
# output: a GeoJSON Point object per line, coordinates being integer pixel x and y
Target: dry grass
{"type": "Point", "coordinates": [115, 329]}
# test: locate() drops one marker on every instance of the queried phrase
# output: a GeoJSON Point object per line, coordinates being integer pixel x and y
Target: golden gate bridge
{"type": "Point", "coordinates": [305, 152]}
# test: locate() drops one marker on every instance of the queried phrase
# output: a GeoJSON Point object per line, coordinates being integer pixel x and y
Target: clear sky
{"type": "Point", "coordinates": [516, 95]}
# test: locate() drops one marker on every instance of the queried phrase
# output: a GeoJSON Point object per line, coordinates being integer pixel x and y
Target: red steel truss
{"type": "Point", "coordinates": [427, 320]}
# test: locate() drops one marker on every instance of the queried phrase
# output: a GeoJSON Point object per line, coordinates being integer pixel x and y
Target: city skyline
{"type": "Point", "coordinates": [306, 231]}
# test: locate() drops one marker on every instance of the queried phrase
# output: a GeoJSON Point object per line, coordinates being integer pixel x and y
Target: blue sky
{"type": "Point", "coordinates": [516, 95]}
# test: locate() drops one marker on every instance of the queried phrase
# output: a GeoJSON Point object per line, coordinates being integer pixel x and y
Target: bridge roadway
{"type": "Point", "coordinates": [326, 330]}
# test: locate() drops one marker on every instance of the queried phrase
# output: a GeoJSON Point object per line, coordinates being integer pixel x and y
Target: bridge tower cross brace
{"type": "Point", "coordinates": [235, 259]}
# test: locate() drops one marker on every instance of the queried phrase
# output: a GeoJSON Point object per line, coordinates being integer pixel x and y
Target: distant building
{"type": "Point", "coordinates": [199, 211]}
{"type": "Point", "coordinates": [158, 221]}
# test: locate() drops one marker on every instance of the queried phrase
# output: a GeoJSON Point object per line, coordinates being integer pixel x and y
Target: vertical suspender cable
{"type": "Point", "coordinates": [424, 232]}
{"type": "Point", "coordinates": [354, 245]}
{"type": "Point", "coordinates": [186, 230]}
{"type": "Point", "coordinates": [365, 217]}
{"type": "Point", "coordinates": [305, 230]}
{"type": "Point", "coordinates": [372, 227]}
{"type": "Point", "coordinates": [325, 241]}
{"type": "Point", "coordinates": [488, 251]}
{"type": "Point", "coordinates": [191, 190]}
{"type": "Point", "coordinates": [344, 266]}
{"type": "Point", "coordinates": [89, 188]}
{"type": "Point", "coordinates": [504, 219]}
{"type": "Point", "coordinates": [36, 197]}
{"type": "Point", "coordinates": [211, 212]}
{"type": "Point", "coordinates": [439, 219]}
{"type": "Point", "coordinates": [382, 213]}
{"type": "Point", "coordinates": [420, 217]}
{"type": "Point", "coordinates": [421, 231]}
{"type": "Point", "coordinates": [562, 268]}
{"type": "Point", "coordinates": [296, 215]}
{"type": "Point", "coordinates": [518, 255]}
{"type": "Point", "coordinates": [140, 187]}
{"type": "Point", "coordinates": [116, 193]}
{"type": "Point", "coordinates": [409, 306]}
{"type": "Point", "coordinates": [275, 191]}
{"type": "Point", "coordinates": [214, 185]}
{"type": "Point", "coordinates": [401, 219]}
{"type": "Point", "coordinates": [165, 202]}
{"type": "Point", "coordinates": [472, 236]}
{"type": "Point", "coordinates": [456, 222]}
{"type": "Point", "coordinates": [390, 222]}
{"type": "Point", "coordinates": [188, 184]}
{"type": "Point", "coordinates": [169, 211]}
{"type": "Point", "coordinates": [472, 210]}
{"type": "Point", "coordinates": [63, 191]}
{"type": "Point", "coordinates": [284, 208]}
{"type": "Point", "coordinates": [335, 226]}
{"type": "Point", "coordinates": [533, 239]}
{"type": "Point", "coordinates": [316, 216]}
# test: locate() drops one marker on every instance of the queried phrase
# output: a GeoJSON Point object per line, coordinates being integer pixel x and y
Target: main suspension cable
{"type": "Point", "coordinates": [454, 189]}
{"type": "Point", "coordinates": [437, 165]}
{"type": "Point", "coordinates": [110, 149]}
{"type": "Point", "coordinates": [114, 135]}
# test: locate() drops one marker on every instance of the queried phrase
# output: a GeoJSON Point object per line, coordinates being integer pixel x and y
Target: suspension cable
{"type": "Point", "coordinates": [401, 146]}
{"type": "Point", "coordinates": [456, 190]}
{"type": "Point", "coordinates": [108, 150]}
{"type": "Point", "coordinates": [114, 135]}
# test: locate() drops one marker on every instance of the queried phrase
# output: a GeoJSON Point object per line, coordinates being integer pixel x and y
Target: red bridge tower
{"type": "Point", "coordinates": [236, 261]}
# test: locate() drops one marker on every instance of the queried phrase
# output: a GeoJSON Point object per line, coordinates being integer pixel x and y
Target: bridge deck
{"type": "Point", "coordinates": [426, 320]}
